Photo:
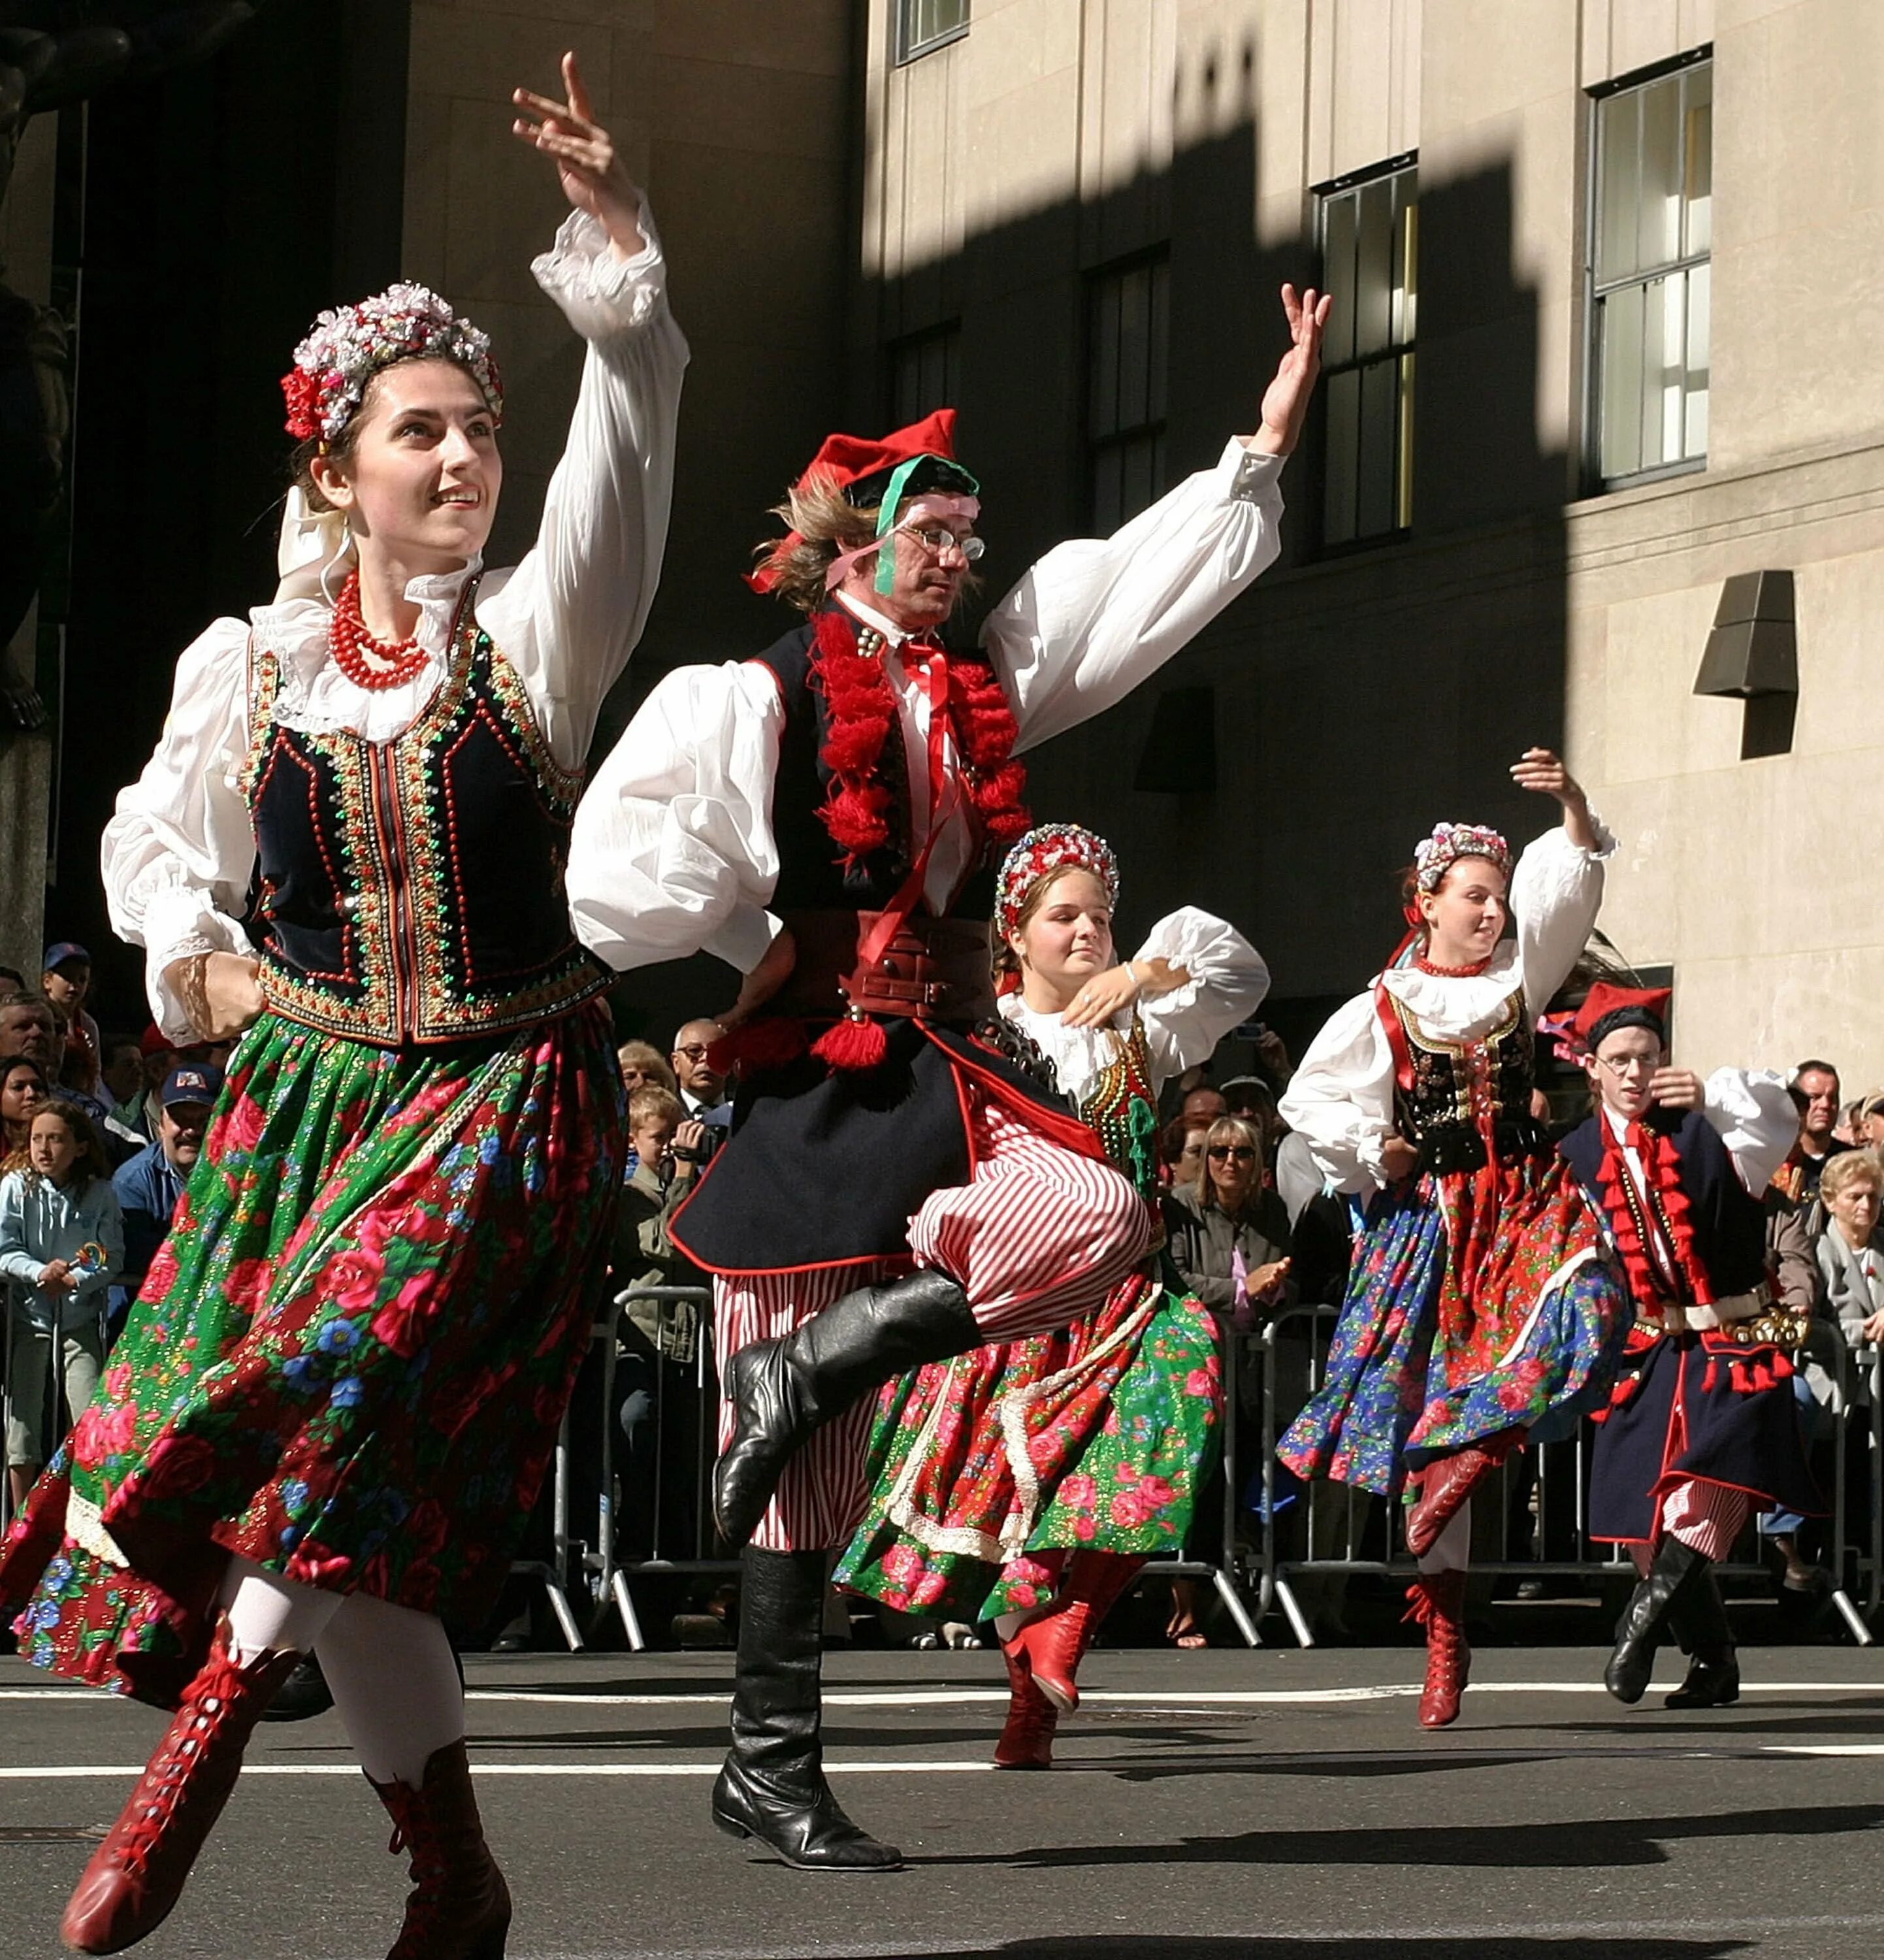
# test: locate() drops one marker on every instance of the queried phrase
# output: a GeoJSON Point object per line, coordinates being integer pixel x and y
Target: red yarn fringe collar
{"type": "Point", "coordinates": [1661, 1169]}
{"type": "Point", "coordinates": [861, 708]}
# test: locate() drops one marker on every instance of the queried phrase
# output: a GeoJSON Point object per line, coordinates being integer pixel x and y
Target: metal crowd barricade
{"type": "Point", "coordinates": [1559, 1471]}
{"type": "Point", "coordinates": [1223, 1572]}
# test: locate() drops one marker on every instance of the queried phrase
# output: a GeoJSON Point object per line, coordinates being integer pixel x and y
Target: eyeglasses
{"type": "Point", "coordinates": [935, 539]}
{"type": "Point", "coordinates": [694, 1052]}
{"type": "Point", "coordinates": [1628, 1064]}
{"type": "Point", "coordinates": [1224, 1152]}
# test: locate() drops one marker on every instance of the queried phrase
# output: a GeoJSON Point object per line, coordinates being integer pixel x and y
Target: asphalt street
{"type": "Point", "coordinates": [1223, 1806]}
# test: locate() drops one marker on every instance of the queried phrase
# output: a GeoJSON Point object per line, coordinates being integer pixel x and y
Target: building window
{"type": "Point", "coordinates": [925, 373]}
{"type": "Point", "coordinates": [924, 25]}
{"type": "Point", "coordinates": [1369, 238]}
{"type": "Point", "coordinates": [1128, 339]}
{"type": "Point", "coordinates": [1649, 274]}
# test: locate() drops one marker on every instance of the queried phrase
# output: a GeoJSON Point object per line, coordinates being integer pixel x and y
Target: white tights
{"type": "Point", "coordinates": [391, 1669]}
{"type": "Point", "coordinates": [1451, 1551]}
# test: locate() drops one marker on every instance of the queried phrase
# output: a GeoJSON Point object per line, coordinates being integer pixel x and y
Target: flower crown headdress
{"type": "Point", "coordinates": [1050, 847]}
{"type": "Point", "coordinates": [1433, 855]}
{"type": "Point", "coordinates": [347, 345]}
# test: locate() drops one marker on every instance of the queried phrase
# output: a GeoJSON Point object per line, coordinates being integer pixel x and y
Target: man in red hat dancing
{"type": "Point", "coordinates": [900, 1185]}
{"type": "Point", "coordinates": [1702, 1422]}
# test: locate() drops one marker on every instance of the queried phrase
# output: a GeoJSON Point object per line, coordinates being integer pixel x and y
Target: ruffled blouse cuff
{"type": "Point", "coordinates": [1246, 476]}
{"type": "Point", "coordinates": [604, 297]}
{"type": "Point", "coordinates": [177, 924]}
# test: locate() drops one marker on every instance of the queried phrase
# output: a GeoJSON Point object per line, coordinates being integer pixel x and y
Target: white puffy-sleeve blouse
{"type": "Point", "coordinates": [1341, 1098]}
{"type": "Point", "coordinates": [178, 853]}
{"type": "Point", "coordinates": [1754, 1114]}
{"type": "Point", "coordinates": [689, 787]}
{"type": "Point", "coordinates": [1228, 980]}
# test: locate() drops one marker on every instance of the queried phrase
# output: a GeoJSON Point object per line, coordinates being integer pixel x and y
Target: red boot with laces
{"type": "Point", "coordinates": [1445, 1484]}
{"type": "Point", "coordinates": [1026, 1742]}
{"type": "Point", "coordinates": [1437, 1600]}
{"type": "Point", "coordinates": [459, 1907]}
{"type": "Point", "coordinates": [1049, 1649]}
{"type": "Point", "coordinates": [137, 1874]}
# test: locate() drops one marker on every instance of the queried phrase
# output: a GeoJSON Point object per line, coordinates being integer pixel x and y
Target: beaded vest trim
{"type": "Point", "coordinates": [401, 926]}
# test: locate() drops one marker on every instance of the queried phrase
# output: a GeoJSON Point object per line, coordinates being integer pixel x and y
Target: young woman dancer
{"type": "Point", "coordinates": [1480, 1306]}
{"type": "Point", "coordinates": [1026, 1482]}
{"type": "Point", "coordinates": [335, 1399]}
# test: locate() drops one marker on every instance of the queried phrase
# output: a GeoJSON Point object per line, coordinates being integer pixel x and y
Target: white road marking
{"type": "Point", "coordinates": [992, 1697]}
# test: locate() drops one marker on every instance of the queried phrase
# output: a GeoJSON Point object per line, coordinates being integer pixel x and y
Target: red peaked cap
{"type": "Point", "coordinates": [1607, 1008]}
{"type": "Point", "coordinates": [846, 461]}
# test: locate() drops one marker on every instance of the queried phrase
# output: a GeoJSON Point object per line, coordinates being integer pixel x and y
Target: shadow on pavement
{"type": "Point", "coordinates": [1191, 1946]}
{"type": "Point", "coordinates": [1558, 1845]}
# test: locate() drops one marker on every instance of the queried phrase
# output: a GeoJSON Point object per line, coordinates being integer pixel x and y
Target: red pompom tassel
{"type": "Point", "coordinates": [853, 1045]}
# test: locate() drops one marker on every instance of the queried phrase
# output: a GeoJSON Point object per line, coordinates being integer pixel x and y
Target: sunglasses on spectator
{"type": "Point", "coordinates": [1224, 1152]}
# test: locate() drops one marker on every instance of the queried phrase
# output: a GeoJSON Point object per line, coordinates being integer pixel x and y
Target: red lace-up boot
{"type": "Point", "coordinates": [1445, 1484]}
{"type": "Point", "coordinates": [460, 1909]}
{"type": "Point", "coordinates": [1026, 1742]}
{"type": "Point", "coordinates": [1049, 1648]}
{"type": "Point", "coordinates": [1437, 1600]}
{"type": "Point", "coordinates": [137, 1874]}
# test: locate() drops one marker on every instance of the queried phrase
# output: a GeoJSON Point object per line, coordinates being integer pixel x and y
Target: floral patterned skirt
{"type": "Point", "coordinates": [1415, 1370]}
{"type": "Point", "coordinates": [1097, 1437]}
{"type": "Point", "coordinates": [350, 1357]}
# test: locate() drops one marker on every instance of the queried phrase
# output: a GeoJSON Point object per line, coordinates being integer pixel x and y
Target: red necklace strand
{"type": "Point", "coordinates": [373, 664]}
{"type": "Point", "coordinates": [1471, 972]}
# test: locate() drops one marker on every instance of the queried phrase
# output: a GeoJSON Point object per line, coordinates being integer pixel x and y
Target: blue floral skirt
{"type": "Point", "coordinates": [1399, 1390]}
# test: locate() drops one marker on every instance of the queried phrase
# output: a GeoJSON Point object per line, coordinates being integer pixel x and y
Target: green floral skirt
{"type": "Point", "coordinates": [1097, 1438]}
{"type": "Point", "coordinates": [349, 1359]}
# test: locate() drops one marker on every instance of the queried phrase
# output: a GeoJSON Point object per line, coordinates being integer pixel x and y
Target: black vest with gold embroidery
{"type": "Point", "coordinates": [412, 891]}
{"type": "Point", "coordinates": [1466, 1100]}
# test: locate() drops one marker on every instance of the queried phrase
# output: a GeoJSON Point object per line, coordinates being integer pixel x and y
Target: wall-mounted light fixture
{"type": "Point", "coordinates": [1752, 656]}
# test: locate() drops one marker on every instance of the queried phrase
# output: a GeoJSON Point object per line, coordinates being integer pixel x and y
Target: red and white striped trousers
{"type": "Point", "coordinates": [1039, 1235]}
{"type": "Point", "coordinates": [1706, 1517]}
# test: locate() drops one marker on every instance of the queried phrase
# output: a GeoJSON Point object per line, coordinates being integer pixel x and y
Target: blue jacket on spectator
{"type": "Point", "coordinates": [148, 1186]}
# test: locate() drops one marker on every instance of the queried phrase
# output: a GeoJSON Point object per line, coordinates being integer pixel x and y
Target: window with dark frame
{"type": "Point", "coordinates": [922, 25]}
{"type": "Point", "coordinates": [1127, 341]}
{"type": "Point", "coordinates": [1370, 239]}
{"type": "Point", "coordinates": [924, 373]}
{"type": "Point", "coordinates": [1650, 238]}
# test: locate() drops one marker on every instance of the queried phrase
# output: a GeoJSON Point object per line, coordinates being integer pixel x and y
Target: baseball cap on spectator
{"type": "Point", "coordinates": [199, 1082]}
{"type": "Point", "coordinates": [56, 955]}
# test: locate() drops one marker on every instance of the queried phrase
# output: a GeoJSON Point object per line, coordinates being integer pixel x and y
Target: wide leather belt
{"type": "Point", "coordinates": [932, 969]}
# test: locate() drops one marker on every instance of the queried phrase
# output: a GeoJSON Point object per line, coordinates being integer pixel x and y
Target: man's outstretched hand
{"type": "Point", "coordinates": [1285, 405]}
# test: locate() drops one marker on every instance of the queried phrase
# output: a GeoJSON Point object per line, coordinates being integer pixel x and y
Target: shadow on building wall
{"type": "Point", "coordinates": [1357, 698]}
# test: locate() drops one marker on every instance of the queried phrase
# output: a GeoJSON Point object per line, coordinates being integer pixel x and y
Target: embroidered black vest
{"type": "Point", "coordinates": [1464, 1094]}
{"type": "Point", "coordinates": [1728, 1223]}
{"type": "Point", "coordinates": [812, 876]}
{"type": "Point", "coordinates": [412, 891]}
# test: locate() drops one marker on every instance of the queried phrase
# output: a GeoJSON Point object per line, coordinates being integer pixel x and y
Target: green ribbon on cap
{"type": "Point", "coordinates": [886, 523]}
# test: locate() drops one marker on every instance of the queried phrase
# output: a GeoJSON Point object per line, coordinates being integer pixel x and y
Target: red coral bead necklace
{"type": "Point", "coordinates": [373, 664]}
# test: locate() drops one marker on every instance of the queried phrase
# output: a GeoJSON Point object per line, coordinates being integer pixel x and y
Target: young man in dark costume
{"type": "Point", "coordinates": [1702, 1424]}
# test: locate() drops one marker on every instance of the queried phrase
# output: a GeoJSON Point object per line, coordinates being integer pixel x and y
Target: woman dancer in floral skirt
{"type": "Point", "coordinates": [332, 1407]}
{"type": "Point", "coordinates": [1481, 1306]}
{"type": "Point", "coordinates": [1026, 1482]}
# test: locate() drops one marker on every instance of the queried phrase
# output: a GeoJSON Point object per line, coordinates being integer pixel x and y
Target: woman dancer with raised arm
{"type": "Point", "coordinates": [1481, 1306]}
{"type": "Point", "coordinates": [333, 1404]}
{"type": "Point", "coordinates": [1026, 1482]}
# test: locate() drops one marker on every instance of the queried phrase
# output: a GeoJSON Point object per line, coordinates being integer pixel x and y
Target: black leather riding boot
{"type": "Point", "coordinates": [1639, 1631]}
{"type": "Point", "coordinates": [1713, 1680]}
{"type": "Point", "coordinates": [772, 1787]}
{"type": "Point", "coordinates": [784, 1390]}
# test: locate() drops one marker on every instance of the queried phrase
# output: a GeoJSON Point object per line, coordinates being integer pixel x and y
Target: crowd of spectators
{"type": "Point", "coordinates": [99, 1131]}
